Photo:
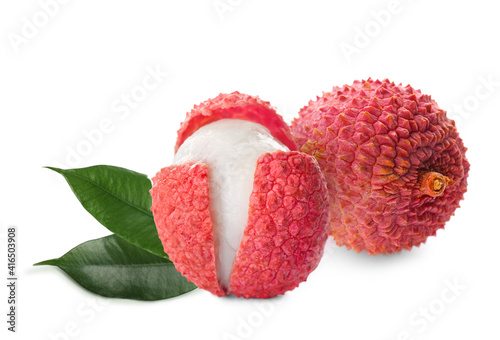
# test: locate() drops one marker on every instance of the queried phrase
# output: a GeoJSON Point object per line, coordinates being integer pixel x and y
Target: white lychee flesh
{"type": "Point", "coordinates": [230, 148]}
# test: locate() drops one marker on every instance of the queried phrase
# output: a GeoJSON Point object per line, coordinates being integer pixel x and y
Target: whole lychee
{"type": "Point", "coordinates": [238, 212]}
{"type": "Point", "coordinates": [394, 163]}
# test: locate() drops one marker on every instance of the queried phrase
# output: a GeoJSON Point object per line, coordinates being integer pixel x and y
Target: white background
{"type": "Point", "coordinates": [70, 73]}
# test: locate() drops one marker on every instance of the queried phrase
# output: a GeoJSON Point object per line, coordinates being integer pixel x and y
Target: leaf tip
{"type": "Point", "coordinates": [52, 262]}
{"type": "Point", "coordinates": [53, 169]}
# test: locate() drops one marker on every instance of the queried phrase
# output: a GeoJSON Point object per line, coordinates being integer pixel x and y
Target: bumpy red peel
{"type": "Point", "coordinates": [182, 215]}
{"type": "Point", "coordinates": [287, 226]}
{"type": "Point", "coordinates": [394, 163]}
{"type": "Point", "coordinates": [236, 105]}
{"type": "Point", "coordinates": [283, 241]}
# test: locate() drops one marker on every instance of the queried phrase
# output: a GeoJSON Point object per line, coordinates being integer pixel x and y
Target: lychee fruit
{"type": "Point", "coordinates": [240, 211]}
{"type": "Point", "coordinates": [394, 163]}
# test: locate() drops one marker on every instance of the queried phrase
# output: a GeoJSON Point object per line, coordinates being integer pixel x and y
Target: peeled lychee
{"type": "Point", "coordinates": [237, 211]}
{"type": "Point", "coordinates": [394, 163]}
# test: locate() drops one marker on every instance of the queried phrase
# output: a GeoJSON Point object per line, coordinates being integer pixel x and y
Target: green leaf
{"type": "Point", "coordinates": [112, 267]}
{"type": "Point", "coordinates": [120, 200]}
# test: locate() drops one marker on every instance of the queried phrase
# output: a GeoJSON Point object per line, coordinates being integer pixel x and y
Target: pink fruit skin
{"type": "Point", "coordinates": [284, 238]}
{"type": "Point", "coordinates": [236, 106]}
{"type": "Point", "coordinates": [374, 140]}
{"type": "Point", "coordinates": [287, 226]}
{"type": "Point", "coordinates": [181, 212]}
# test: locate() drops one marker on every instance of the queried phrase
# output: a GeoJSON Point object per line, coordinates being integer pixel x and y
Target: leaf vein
{"type": "Point", "coordinates": [110, 193]}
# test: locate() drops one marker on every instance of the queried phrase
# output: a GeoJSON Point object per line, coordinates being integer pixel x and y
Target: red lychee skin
{"type": "Point", "coordinates": [236, 106]}
{"type": "Point", "coordinates": [375, 142]}
{"type": "Point", "coordinates": [287, 226]}
{"type": "Point", "coordinates": [282, 243]}
{"type": "Point", "coordinates": [182, 216]}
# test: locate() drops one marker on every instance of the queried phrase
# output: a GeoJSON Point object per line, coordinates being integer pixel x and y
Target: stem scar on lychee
{"type": "Point", "coordinates": [433, 183]}
{"type": "Point", "coordinates": [241, 211]}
